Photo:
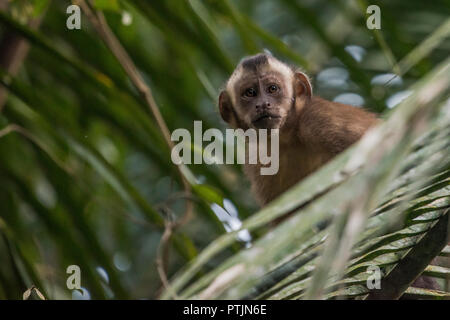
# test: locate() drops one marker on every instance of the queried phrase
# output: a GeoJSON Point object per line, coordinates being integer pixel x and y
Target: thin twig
{"type": "Point", "coordinates": [162, 256]}
{"type": "Point", "coordinates": [99, 22]}
{"type": "Point", "coordinates": [27, 293]}
{"type": "Point", "coordinates": [14, 50]}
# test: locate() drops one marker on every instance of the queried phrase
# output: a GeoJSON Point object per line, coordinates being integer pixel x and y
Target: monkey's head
{"type": "Point", "coordinates": [262, 92]}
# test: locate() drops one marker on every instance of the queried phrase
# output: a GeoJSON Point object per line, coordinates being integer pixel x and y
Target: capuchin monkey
{"type": "Point", "coordinates": [265, 93]}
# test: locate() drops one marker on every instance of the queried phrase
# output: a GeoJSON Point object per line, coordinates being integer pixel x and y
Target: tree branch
{"type": "Point", "coordinates": [13, 51]}
{"type": "Point", "coordinates": [412, 265]}
{"type": "Point", "coordinates": [98, 20]}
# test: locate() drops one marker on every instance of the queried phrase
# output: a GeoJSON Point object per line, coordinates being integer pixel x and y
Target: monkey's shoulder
{"type": "Point", "coordinates": [323, 112]}
{"type": "Point", "coordinates": [333, 126]}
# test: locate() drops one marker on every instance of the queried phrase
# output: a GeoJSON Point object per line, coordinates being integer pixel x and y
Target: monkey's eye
{"type": "Point", "coordinates": [250, 92]}
{"type": "Point", "coordinates": [272, 88]}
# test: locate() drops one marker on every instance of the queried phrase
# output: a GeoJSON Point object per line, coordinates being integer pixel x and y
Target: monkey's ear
{"type": "Point", "coordinates": [225, 106]}
{"type": "Point", "coordinates": [302, 85]}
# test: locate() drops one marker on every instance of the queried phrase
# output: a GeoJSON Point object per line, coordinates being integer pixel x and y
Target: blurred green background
{"type": "Point", "coordinates": [85, 175]}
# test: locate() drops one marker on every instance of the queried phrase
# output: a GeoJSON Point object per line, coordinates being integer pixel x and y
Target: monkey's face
{"type": "Point", "coordinates": [263, 99]}
{"type": "Point", "coordinates": [260, 94]}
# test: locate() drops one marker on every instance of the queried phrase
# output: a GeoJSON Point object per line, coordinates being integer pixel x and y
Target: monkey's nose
{"type": "Point", "coordinates": [263, 105]}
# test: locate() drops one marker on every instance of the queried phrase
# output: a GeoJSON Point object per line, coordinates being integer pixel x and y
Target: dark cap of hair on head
{"type": "Point", "coordinates": [253, 62]}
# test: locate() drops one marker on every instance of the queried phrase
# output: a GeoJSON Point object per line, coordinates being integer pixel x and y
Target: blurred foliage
{"type": "Point", "coordinates": [86, 177]}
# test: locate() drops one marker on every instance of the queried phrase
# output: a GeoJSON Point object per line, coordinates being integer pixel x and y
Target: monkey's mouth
{"type": "Point", "coordinates": [266, 117]}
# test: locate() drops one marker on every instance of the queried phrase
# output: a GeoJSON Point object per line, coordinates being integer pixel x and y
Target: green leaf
{"type": "Point", "coordinates": [208, 193]}
{"type": "Point", "coordinates": [111, 5]}
{"type": "Point", "coordinates": [40, 6]}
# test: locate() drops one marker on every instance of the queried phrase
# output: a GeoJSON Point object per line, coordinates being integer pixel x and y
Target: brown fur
{"type": "Point", "coordinates": [321, 130]}
{"type": "Point", "coordinates": [312, 130]}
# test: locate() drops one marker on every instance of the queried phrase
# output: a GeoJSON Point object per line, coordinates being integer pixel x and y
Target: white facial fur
{"type": "Point", "coordinates": [274, 64]}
